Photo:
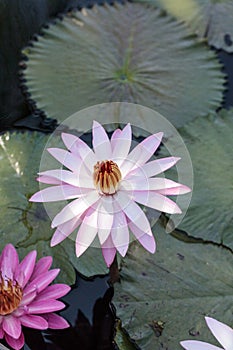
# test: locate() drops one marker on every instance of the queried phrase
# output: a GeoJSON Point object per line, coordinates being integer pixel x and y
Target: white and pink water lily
{"type": "Point", "coordinates": [26, 298]}
{"type": "Point", "coordinates": [222, 332]}
{"type": "Point", "coordinates": [104, 184]}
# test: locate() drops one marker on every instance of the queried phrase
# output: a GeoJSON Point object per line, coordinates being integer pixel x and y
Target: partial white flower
{"type": "Point", "coordinates": [222, 332]}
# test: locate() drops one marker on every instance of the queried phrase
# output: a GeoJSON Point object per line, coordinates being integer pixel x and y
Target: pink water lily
{"type": "Point", "coordinates": [104, 185]}
{"type": "Point", "coordinates": [222, 332]}
{"type": "Point", "coordinates": [26, 299]}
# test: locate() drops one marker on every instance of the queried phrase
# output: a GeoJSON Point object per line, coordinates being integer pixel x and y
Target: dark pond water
{"type": "Point", "coordinates": [89, 309]}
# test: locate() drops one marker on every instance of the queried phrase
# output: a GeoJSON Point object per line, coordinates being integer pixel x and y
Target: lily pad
{"type": "Point", "coordinates": [208, 18]}
{"type": "Point", "coordinates": [162, 298]}
{"type": "Point", "coordinates": [26, 224]}
{"type": "Point", "coordinates": [121, 339]}
{"type": "Point", "coordinates": [123, 53]}
{"type": "Point", "coordinates": [210, 143]}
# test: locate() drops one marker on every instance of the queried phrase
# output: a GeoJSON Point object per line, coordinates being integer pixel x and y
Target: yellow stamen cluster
{"type": "Point", "coordinates": [10, 295]}
{"type": "Point", "coordinates": [106, 177]}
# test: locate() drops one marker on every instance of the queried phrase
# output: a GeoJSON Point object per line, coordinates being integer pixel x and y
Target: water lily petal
{"type": "Point", "coordinates": [48, 180]}
{"type": "Point", "coordinates": [120, 233]}
{"type": "Point", "coordinates": [56, 321]}
{"type": "Point", "coordinates": [133, 212]}
{"type": "Point", "coordinates": [222, 332]}
{"type": "Point", "coordinates": [154, 167]}
{"type": "Point", "coordinates": [64, 230]}
{"type": "Point", "coordinates": [87, 232]}
{"type": "Point", "coordinates": [147, 241]}
{"type": "Point", "coordinates": [25, 268]}
{"type": "Point", "coordinates": [105, 218]}
{"type": "Point", "coordinates": [75, 209]}
{"type": "Point", "coordinates": [34, 321]}
{"type": "Point", "coordinates": [44, 306]}
{"type": "Point", "coordinates": [141, 153]}
{"type": "Point", "coordinates": [101, 143]}
{"type": "Point", "coordinates": [42, 266]}
{"type": "Point", "coordinates": [12, 326]}
{"type": "Point", "coordinates": [156, 201]}
{"type": "Point", "coordinates": [114, 138]}
{"type": "Point", "coordinates": [16, 344]}
{"type": "Point", "coordinates": [9, 261]}
{"type": "Point", "coordinates": [198, 345]}
{"type": "Point", "coordinates": [62, 175]}
{"type": "Point", "coordinates": [54, 291]}
{"type": "Point", "coordinates": [108, 251]}
{"type": "Point", "coordinates": [42, 281]}
{"type": "Point", "coordinates": [28, 296]}
{"type": "Point", "coordinates": [66, 158]}
{"type": "Point", "coordinates": [122, 144]}
{"type": "Point", "coordinates": [69, 140]}
{"type": "Point", "coordinates": [58, 193]}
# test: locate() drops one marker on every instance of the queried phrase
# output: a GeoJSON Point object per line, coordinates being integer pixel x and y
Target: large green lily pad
{"type": "Point", "coordinates": [206, 18]}
{"type": "Point", "coordinates": [26, 224]}
{"type": "Point", "coordinates": [210, 143]}
{"type": "Point", "coordinates": [162, 298]}
{"type": "Point", "coordinates": [123, 53]}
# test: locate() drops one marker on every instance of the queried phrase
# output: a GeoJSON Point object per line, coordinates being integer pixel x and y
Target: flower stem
{"type": "Point", "coordinates": [114, 275]}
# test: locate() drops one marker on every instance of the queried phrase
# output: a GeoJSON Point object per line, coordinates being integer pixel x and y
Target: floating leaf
{"type": "Point", "coordinates": [162, 298]}
{"type": "Point", "coordinates": [209, 18]}
{"type": "Point", "coordinates": [210, 143]}
{"type": "Point", "coordinates": [150, 59]}
{"type": "Point", "coordinates": [26, 224]}
{"type": "Point", "coordinates": [121, 339]}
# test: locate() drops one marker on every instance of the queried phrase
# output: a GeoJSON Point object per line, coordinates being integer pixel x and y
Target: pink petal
{"type": "Point", "coordinates": [122, 144]}
{"type": "Point", "coordinates": [54, 291]}
{"type": "Point", "coordinates": [133, 212]}
{"type": "Point", "coordinates": [101, 143]}
{"type": "Point", "coordinates": [16, 344]}
{"type": "Point", "coordinates": [9, 261]}
{"type": "Point", "coordinates": [48, 180]}
{"type": "Point", "coordinates": [1, 333]}
{"type": "Point", "coordinates": [42, 266]}
{"type": "Point", "coordinates": [108, 251]}
{"type": "Point", "coordinates": [222, 332]}
{"type": "Point", "coordinates": [175, 191]}
{"type": "Point", "coordinates": [69, 140]}
{"type": "Point", "coordinates": [155, 167]}
{"type": "Point", "coordinates": [45, 306]}
{"type": "Point", "coordinates": [198, 345]}
{"type": "Point", "coordinates": [42, 281]}
{"type": "Point", "coordinates": [25, 268]}
{"type": "Point", "coordinates": [141, 153]}
{"type": "Point", "coordinates": [85, 152]}
{"type": "Point", "coordinates": [64, 230]}
{"type": "Point", "coordinates": [87, 231]}
{"type": "Point", "coordinates": [56, 321]}
{"type": "Point", "coordinates": [62, 175]}
{"type": "Point", "coordinates": [120, 233]}
{"type": "Point", "coordinates": [147, 241]}
{"type": "Point", "coordinates": [58, 193]}
{"type": "Point", "coordinates": [68, 159]}
{"type": "Point", "coordinates": [114, 138]}
{"type": "Point", "coordinates": [105, 218]}
{"type": "Point", "coordinates": [12, 326]}
{"type": "Point", "coordinates": [156, 201]}
{"type": "Point", "coordinates": [28, 297]}
{"type": "Point", "coordinates": [33, 321]}
{"type": "Point", "coordinates": [76, 208]}
{"type": "Point", "coordinates": [151, 184]}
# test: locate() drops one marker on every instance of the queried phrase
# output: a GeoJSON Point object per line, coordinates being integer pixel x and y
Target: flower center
{"type": "Point", "coordinates": [106, 177]}
{"type": "Point", "coordinates": [10, 295]}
